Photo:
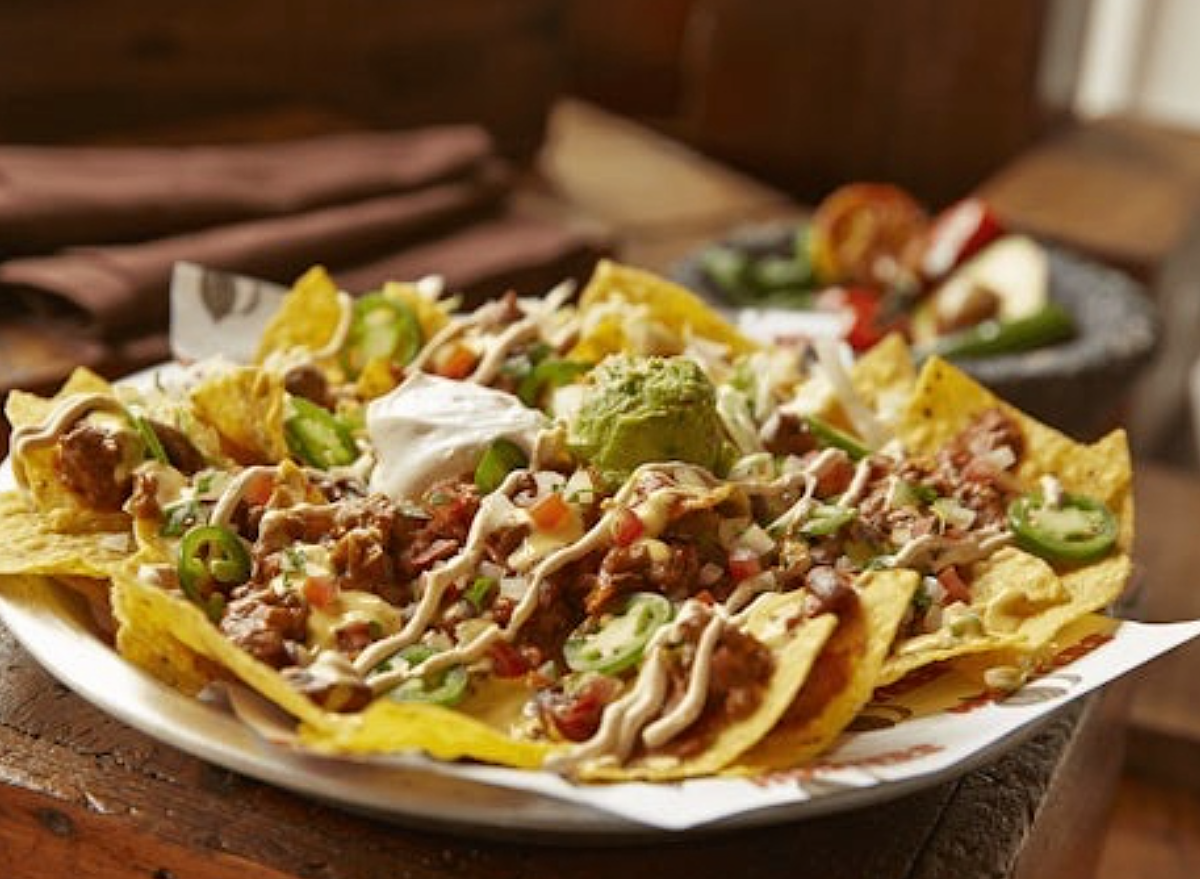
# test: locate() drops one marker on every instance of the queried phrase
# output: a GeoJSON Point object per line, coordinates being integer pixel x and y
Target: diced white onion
{"type": "Point", "coordinates": [513, 587]}
{"type": "Point", "coordinates": [756, 540]}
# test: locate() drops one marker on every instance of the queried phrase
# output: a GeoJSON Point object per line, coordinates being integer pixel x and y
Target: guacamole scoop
{"type": "Point", "coordinates": [641, 409]}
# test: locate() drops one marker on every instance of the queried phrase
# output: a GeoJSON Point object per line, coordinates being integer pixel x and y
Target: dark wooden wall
{"type": "Point", "coordinates": [932, 94]}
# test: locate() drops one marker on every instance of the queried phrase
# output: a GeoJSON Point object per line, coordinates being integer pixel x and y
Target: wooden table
{"type": "Point", "coordinates": [81, 794]}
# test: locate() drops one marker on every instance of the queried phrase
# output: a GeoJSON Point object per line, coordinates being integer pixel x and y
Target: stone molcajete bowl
{"type": "Point", "coordinates": [1077, 385]}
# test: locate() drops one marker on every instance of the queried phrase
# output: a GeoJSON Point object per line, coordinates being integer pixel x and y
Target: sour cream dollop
{"type": "Point", "coordinates": [431, 428]}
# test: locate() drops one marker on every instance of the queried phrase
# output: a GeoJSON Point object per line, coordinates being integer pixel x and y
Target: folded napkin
{"type": "Point", "coordinates": [53, 197]}
{"type": "Point", "coordinates": [121, 287]}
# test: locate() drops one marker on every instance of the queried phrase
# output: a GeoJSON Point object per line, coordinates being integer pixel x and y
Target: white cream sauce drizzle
{"type": "Point", "coordinates": [858, 483]}
{"type": "Point", "coordinates": [688, 708]}
{"type": "Point", "coordinates": [798, 512]}
{"type": "Point", "coordinates": [435, 582]}
{"type": "Point", "coordinates": [497, 349]}
{"type": "Point", "coordinates": [496, 511]}
{"type": "Point", "coordinates": [234, 492]}
{"type": "Point", "coordinates": [629, 715]}
{"type": "Point", "coordinates": [946, 551]}
{"type": "Point", "coordinates": [64, 414]}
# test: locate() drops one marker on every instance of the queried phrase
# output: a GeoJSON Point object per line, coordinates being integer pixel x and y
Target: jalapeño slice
{"type": "Point", "coordinates": [317, 437]}
{"type": "Point", "coordinates": [145, 432]}
{"type": "Point", "coordinates": [499, 459]}
{"type": "Point", "coordinates": [381, 328]}
{"type": "Point", "coordinates": [1079, 529]}
{"type": "Point", "coordinates": [212, 559]}
{"type": "Point", "coordinates": [828, 519]}
{"type": "Point", "coordinates": [445, 687]}
{"type": "Point", "coordinates": [617, 643]}
{"type": "Point", "coordinates": [828, 435]}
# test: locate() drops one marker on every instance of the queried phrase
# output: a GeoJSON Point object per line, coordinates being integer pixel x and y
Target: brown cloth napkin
{"type": "Point", "coordinates": [527, 254]}
{"type": "Point", "coordinates": [53, 197]}
{"type": "Point", "coordinates": [122, 287]}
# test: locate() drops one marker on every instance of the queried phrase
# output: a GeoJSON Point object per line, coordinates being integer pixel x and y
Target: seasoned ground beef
{"type": "Point", "coordinates": [266, 624]}
{"type": "Point", "coordinates": [93, 463]}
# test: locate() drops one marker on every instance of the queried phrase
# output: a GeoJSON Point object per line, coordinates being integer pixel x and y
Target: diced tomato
{"type": "Point", "coordinates": [627, 527]}
{"type": "Point", "coordinates": [865, 307]}
{"type": "Point", "coordinates": [320, 591]}
{"type": "Point", "coordinates": [458, 361]}
{"type": "Point", "coordinates": [550, 512]}
{"type": "Point", "coordinates": [952, 582]}
{"type": "Point", "coordinates": [957, 234]}
{"type": "Point", "coordinates": [577, 716]}
{"type": "Point", "coordinates": [744, 563]}
{"type": "Point", "coordinates": [835, 477]}
{"type": "Point", "coordinates": [507, 661]}
{"type": "Point", "coordinates": [258, 489]}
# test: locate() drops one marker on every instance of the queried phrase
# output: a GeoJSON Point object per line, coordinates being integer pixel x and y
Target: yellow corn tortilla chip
{"type": "Point", "coordinates": [625, 309]}
{"type": "Point", "coordinates": [946, 399]}
{"type": "Point", "coordinates": [245, 405]}
{"type": "Point", "coordinates": [1021, 601]}
{"type": "Point", "coordinates": [883, 378]}
{"type": "Point", "coordinates": [843, 679]}
{"type": "Point", "coordinates": [150, 613]}
{"type": "Point", "coordinates": [31, 545]}
{"type": "Point", "coordinates": [61, 507]}
{"type": "Point", "coordinates": [797, 650]}
{"type": "Point", "coordinates": [23, 408]}
{"type": "Point", "coordinates": [388, 727]}
{"type": "Point", "coordinates": [308, 317]}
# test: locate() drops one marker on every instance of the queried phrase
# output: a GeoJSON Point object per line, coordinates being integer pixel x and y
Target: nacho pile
{"type": "Point", "coordinates": [614, 539]}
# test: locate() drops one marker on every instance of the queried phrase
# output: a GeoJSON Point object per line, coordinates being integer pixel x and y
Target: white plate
{"type": "Point", "coordinates": [927, 747]}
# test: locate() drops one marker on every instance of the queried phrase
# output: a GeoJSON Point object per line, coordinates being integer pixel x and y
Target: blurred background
{"type": "Point", "coordinates": [640, 127]}
{"type": "Point", "coordinates": [1078, 119]}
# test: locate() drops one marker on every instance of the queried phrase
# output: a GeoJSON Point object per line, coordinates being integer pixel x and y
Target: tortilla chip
{"type": "Point", "coordinates": [1021, 600]}
{"type": "Point", "coordinates": [844, 677]}
{"type": "Point", "coordinates": [308, 317]}
{"type": "Point", "coordinates": [389, 727]}
{"type": "Point", "coordinates": [797, 650]}
{"type": "Point", "coordinates": [173, 638]}
{"type": "Point", "coordinates": [32, 545]}
{"type": "Point", "coordinates": [630, 310]}
{"type": "Point", "coordinates": [23, 408]}
{"type": "Point", "coordinates": [62, 508]}
{"type": "Point", "coordinates": [885, 377]}
{"type": "Point", "coordinates": [245, 405]}
{"type": "Point", "coordinates": [162, 655]}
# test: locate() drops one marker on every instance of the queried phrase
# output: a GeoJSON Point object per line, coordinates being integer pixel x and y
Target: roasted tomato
{"type": "Point", "coordinates": [867, 234]}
